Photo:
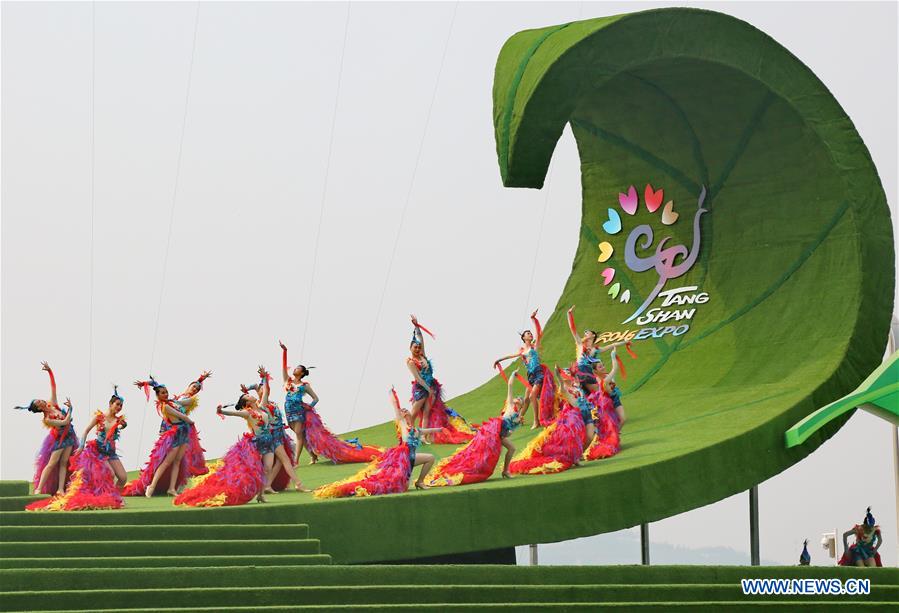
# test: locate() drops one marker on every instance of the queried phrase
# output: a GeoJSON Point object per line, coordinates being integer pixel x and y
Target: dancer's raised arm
{"type": "Point", "coordinates": [571, 326]}
{"type": "Point", "coordinates": [220, 409]}
{"type": "Point", "coordinates": [511, 356]}
{"type": "Point", "coordinates": [510, 383]}
{"type": "Point", "coordinates": [266, 387]}
{"type": "Point", "coordinates": [53, 401]}
{"type": "Point", "coordinates": [538, 330]}
{"type": "Point", "coordinates": [284, 374]}
{"type": "Point", "coordinates": [417, 335]}
{"type": "Point", "coordinates": [614, 371]}
{"type": "Point", "coordinates": [611, 346]}
{"type": "Point", "coordinates": [395, 403]}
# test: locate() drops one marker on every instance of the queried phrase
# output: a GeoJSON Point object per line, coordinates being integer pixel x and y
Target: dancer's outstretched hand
{"type": "Point", "coordinates": [282, 345]}
{"type": "Point", "coordinates": [45, 366]}
{"type": "Point", "coordinates": [534, 314]}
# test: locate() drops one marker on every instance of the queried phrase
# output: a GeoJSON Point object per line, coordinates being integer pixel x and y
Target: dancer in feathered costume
{"type": "Point", "coordinates": [428, 408]}
{"type": "Point", "coordinates": [389, 473]}
{"type": "Point", "coordinates": [278, 429]}
{"type": "Point", "coordinates": [864, 552]}
{"type": "Point", "coordinates": [296, 388]}
{"type": "Point", "coordinates": [476, 461]}
{"type": "Point", "coordinates": [606, 441]}
{"type": "Point", "coordinates": [52, 460]}
{"type": "Point", "coordinates": [588, 354]}
{"type": "Point", "coordinates": [91, 485]}
{"type": "Point", "coordinates": [246, 470]}
{"type": "Point", "coordinates": [177, 454]}
{"type": "Point", "coordinates": [189, 400]}
{"type": "Point", "coordinates": [561, 444]}
{"type": "Point", "coordinates": [541, 386]}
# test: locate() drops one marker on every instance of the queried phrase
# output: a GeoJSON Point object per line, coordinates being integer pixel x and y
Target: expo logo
{"type": "Point", "coordinates": [668, 262]}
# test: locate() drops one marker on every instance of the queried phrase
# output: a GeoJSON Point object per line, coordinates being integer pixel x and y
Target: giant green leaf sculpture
{"type": "Point", "coordinates": [795, 258]}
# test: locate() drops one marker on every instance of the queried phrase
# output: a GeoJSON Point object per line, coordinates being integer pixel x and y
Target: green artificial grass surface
{"type": "Point", "coordinates": [553, 606]}
{"type": "Point", "coordinates": [425, 594]}
{"type": "Point", "coordinates": [202, 562]}
{"type": "Point", "coordinates": [796, 257]}
{"type": "Point", "coordinates": [184, 576]}
{"type": "Point", "coordinates": [14, 488]}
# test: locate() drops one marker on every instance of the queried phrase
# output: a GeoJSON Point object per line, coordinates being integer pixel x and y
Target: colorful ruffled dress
{"type": "Point", "coordinates": [542, 377]}
{"type": "Point", "coordinates": [558, 447]}
{"type": "Point", "coordinates": [57, 438]}
{"type": "Point", "coordinates": [607, 440]}
{"type": "Point", "coordinates": [863, 549]}
{"type": "Point", "coordinates": [91, 484]}
{"type": "Point", "coordinates": [177, 434]}
{"type": "Point", "coordinates": [323, 443]}
{"type": "Point", "coordinates": [387, 474]}
{"type": "Point", "coordinates": [293, 402]}
{"type": "Point", "coordinates": [454, 429]}
{"type": "Point", "coordinates": [587, 360]}
{"type": "Point", "coordinates": [238, 476]}
{"type": "Point", "coordinates": [280, 437]}
{"type": "Point", "coordinates": [476, 461]}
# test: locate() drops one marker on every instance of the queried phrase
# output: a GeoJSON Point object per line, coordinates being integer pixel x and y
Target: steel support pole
{"type": "Point", "coordinates": [754, 525]}
{"type": "Point", "coordinates": [644, 544]}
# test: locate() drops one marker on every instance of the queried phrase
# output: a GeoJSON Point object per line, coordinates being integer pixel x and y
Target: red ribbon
{"type": "Point", "coordinates": [502, 373]}
{"type": "Point", "coordinates": [627, 346]}
{"type": "Point", "coordinates": [621, 367]}
{"type": "Point", "coordinates": [145, 385]}
{"type": "Point", "coordinates": [429, 333]}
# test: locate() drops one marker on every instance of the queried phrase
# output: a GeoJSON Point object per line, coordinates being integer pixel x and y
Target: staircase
{"type": "Point", "coordinates": [14, 495]}
{"type": "Point", "coordinates": [261, 558]}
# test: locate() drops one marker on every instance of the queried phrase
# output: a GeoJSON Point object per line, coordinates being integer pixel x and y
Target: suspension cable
{"type": "Point", "coordinates": [168, 239]}
{"type": "Point", "coordinates": [321, 208]}
{"type": "Point", "coordinates": [399, 230]}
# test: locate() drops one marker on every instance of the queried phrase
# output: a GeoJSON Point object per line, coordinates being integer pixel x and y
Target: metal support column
{"type": "Point", "coordinates": [533, 549]}
{"type": "Point", "coordinates": [644, 544]}
{"type": "Point", "coordinates": [754, 525]}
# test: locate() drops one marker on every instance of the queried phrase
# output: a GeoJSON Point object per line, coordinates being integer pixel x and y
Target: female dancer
{"type": "Point", "coordinates": [187, 399]}
{"type": "Point", "coordinates": [427, 396]}
{"type": "Point", "coordinates": [169, 455]}
{"type": "Point", "coordinates": [276, 426]}
{"type": "Point", "coordinates": [93, 466]}
{"type": "Point", "coordinates": [589, 356]}
{"type": "Point", "coordinates": [867, 541]}
{"type": "Point", "coordinates": [52, 462]}
{"type": "Point", "coordinates": [296, 388]}
{"type": "Point", "coordinates": [607, 439]}
{"type": "Point", "coordinates": [246, 469]}
{"type": "Point", "coordinates": [560, 445]}
{"type": "Point", "coordinates": [476, 461]}
{"type": "Point", "coordinates": [540, 378]}
{"type": "Point", "coordinates": [390, 472]}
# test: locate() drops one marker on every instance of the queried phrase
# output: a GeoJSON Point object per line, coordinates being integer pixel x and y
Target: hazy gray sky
{"type": "Point", "coordinates": [257, 126]}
